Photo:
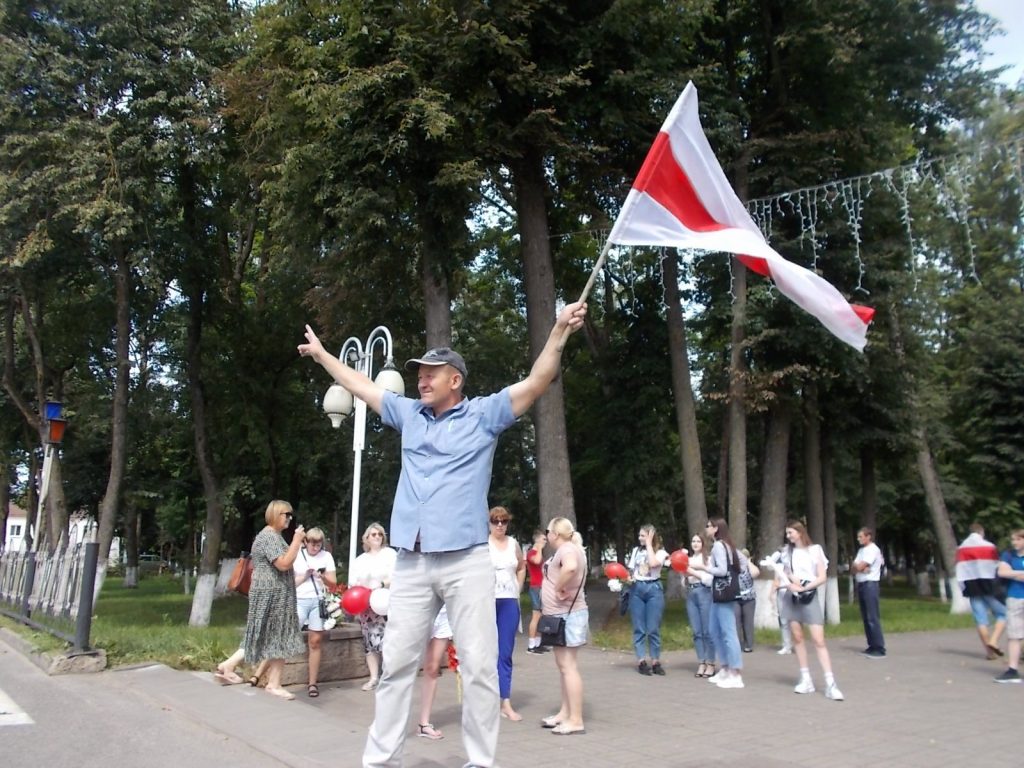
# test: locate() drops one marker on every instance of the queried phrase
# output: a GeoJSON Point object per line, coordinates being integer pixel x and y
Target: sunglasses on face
{"type": "Point", "coordinates": [498, 522]}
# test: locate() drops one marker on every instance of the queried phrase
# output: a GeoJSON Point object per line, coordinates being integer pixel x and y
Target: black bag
{"type": "Point", "coordinates": [725, 589]}
{"type": "Point", "coordinates": [623, 602]}
{"type": "Point", "coordinates": [551, 630]}
{"type": "Point", "coordinates": [324, 612]}
{"type": "Point", "coordinates": [803, 598]}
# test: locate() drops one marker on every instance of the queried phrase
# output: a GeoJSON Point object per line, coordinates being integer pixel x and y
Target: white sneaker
{"type": "Point", "coordinates": [732, 681]}
{"type": "Point", "coordinates": [717, 677]}
{"type": "Point", "coordinates": [806, 685]}
{"type": "Point", "coordinates": [784, 651]}
{"type": "Point", "coordinates": [833, 692]}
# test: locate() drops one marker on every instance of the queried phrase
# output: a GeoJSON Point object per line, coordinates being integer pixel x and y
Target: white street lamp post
{"type": "Point", "coordinates": [338, 403]}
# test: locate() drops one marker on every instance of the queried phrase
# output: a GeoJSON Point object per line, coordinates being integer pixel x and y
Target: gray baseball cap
{"type": "Point", "coordinates": [439, 356]}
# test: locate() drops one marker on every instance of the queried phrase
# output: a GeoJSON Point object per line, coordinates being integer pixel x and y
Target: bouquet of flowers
{"type": "Point", "coordinates": [453, 665]}
{"type": "Point", "coordinates": [333, 602]}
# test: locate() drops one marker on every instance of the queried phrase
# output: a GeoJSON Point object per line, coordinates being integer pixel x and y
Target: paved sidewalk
{"type": "Point", "coordinates": [931, 703]}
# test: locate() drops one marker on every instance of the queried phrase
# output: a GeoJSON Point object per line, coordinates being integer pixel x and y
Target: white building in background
{"type": "Point", "coordinates": [17, 521]}
{"type": "Point", "coordinates": [81, 528]}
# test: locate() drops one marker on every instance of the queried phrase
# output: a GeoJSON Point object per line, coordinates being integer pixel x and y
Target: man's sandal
{"type": "Point", "coordinates": [428, 731]}
{"type": "Point", "coordinates": [312, 691]}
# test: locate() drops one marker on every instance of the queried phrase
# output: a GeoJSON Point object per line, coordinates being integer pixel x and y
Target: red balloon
{"type": "Point", "coordinates": [679, 560]}
{"type": "Point", "coordinates": [355, 600]}
{"type": "Point", "coordinates": [615, 571]}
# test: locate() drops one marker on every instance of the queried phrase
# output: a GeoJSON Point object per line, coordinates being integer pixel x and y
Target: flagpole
{"type": "Point", "coordinates": [587, 287]}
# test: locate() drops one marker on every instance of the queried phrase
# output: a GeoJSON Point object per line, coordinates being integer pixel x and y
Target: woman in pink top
{"type": "Point", "coordinates": [563, 595]}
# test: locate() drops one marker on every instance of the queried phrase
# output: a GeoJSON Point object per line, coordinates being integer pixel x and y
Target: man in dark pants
{"type": "Point", "coordinates": [867, 572]}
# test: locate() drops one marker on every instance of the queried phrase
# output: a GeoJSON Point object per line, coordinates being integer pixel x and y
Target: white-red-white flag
{"type": "Point", "coordinates": [681, 198]}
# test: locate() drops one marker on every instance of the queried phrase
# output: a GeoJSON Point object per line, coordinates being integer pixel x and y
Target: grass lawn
{"type": "Point", "coordinates": [902, 611]}
{"type": "Point", "coordinates": [150, 623]}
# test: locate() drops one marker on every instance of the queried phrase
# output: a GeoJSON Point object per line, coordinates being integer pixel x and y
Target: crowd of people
{"type": "Point", "coordinates": [455, 575]}
{"type": "Point", "coordinates": [290, 577]}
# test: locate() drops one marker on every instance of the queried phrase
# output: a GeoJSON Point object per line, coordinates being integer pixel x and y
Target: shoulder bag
{"type": "Point", "coordinates": [725, 589]}
{"type": "Point", "coordinates": [325, 612]}
{"type": "Point", "coordinates": [552, 628]}
{"type": "Point", "coordinates": [241, 576]}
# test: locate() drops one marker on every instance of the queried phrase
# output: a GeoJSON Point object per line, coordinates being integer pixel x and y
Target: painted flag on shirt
{"type": "Point", "coordinates": [681, 198]}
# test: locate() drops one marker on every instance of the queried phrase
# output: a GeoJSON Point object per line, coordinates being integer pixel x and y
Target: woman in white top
{"type": "Point", "coordinates": [373, 569]}
{"type": "Point", "coordinates": [314, 574]}
{"type": "Point", "coordinates": [805, 566]}
{"type": "Point", "coordinates": [647, 599]}
{"type": "Point", "coordinates": [698, 606]}
{"type": "Point", "coordinates": [509, 572]}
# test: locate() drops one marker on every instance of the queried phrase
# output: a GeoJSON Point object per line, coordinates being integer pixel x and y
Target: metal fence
{"type": "Point", "coordinates": [41, 589]}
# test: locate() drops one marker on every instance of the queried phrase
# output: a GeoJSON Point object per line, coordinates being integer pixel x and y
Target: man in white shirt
{"type": "Point", "coordinates": [867, 571]}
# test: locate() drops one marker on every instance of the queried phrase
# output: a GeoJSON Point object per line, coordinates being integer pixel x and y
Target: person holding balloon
{"type": "Point", "coordinates": [509, 573]}
{"type": "Point", "coordinates": [373, 570]}
{"type": "Point", "coordinates": [647, 599]}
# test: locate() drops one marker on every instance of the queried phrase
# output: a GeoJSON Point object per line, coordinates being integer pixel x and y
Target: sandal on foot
{"type": "Point", "coordinates": [312, 690]}
{"type": "Point", "coordinates": [281, 693]}
{"type": "Point", "coordinates": [701, 670]}
{"type": "Point", "coordinates": [995, 649]}
{"type": "Point", "coordinates": [370, 684]}
{"type": "Point", "coordinates": [227, 677]}
{"type": "Point", "coordinates": [254, 681]}
{"type": "Point", "coordinates": [428, 731]}
{"type": "Point", "coordinates": [550, 722]}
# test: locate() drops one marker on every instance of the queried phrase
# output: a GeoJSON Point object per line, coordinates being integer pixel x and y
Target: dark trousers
{"type": "Point", "coordinates": [867, 597]}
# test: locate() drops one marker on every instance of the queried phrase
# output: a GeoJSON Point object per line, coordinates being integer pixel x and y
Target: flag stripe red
{"type": "Point", "coordinates": [667, 184]}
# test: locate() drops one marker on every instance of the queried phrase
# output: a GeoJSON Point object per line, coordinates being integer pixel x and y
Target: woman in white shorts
{"type": "Point", "coordinates": [436, 648]}
{"type": "Point", "coordinates": [314, 573]}
{"type": "Point", "coordinates": [563, 596]}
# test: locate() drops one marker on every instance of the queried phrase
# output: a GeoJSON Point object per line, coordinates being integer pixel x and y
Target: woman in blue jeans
{"type": "Point", "coordinates": [647, 599]}
{"type": "Point", "coordinates": [698, 607]}
{"type": "Point", "coordinates": [725, 558]}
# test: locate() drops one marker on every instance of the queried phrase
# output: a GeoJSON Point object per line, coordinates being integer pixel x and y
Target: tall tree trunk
{"type": "Point", "coordinates": [682, 391]}
{"type": "Point", "coordinates": [111, 502]}
{"type": "Point", "coordinates": [209, 563]}
{"type": "Point", "coordinates": [945, 538]}
{"type": "Point", "coordinates": [812, 465]}
{"type": "Point", "coordinates": [722, 479]}
{"type": "Point", "coordinates": [774, 475]}
{"type": "Point", "coordinates": [5, 501]}
{"type": "Point", "coordinates": [930, 482]}
{"type": "Point", "coordinates": [131, 547]}
{"type": "Point", "coordinates": [868, 489]}
{"type": "Point", "coordinates": [737, 409]}
{"type": "Point", "coordinates": [554, 483]}
{"type": "Point", "coordinates": [828, 498]}
{"type": "Point", "coordinates": [436, 301]}
{"type": "Point", "coordinates": [47, 383]}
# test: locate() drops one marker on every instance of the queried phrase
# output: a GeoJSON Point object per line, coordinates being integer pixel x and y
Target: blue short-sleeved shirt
{"type": "Point", "coordinates": [1014, 588]}
{"type": "Point", "coordinates": [446, 469]}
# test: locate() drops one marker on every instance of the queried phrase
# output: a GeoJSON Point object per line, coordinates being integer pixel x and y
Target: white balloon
{"type": "Point", "coordinates": [379, 600]}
